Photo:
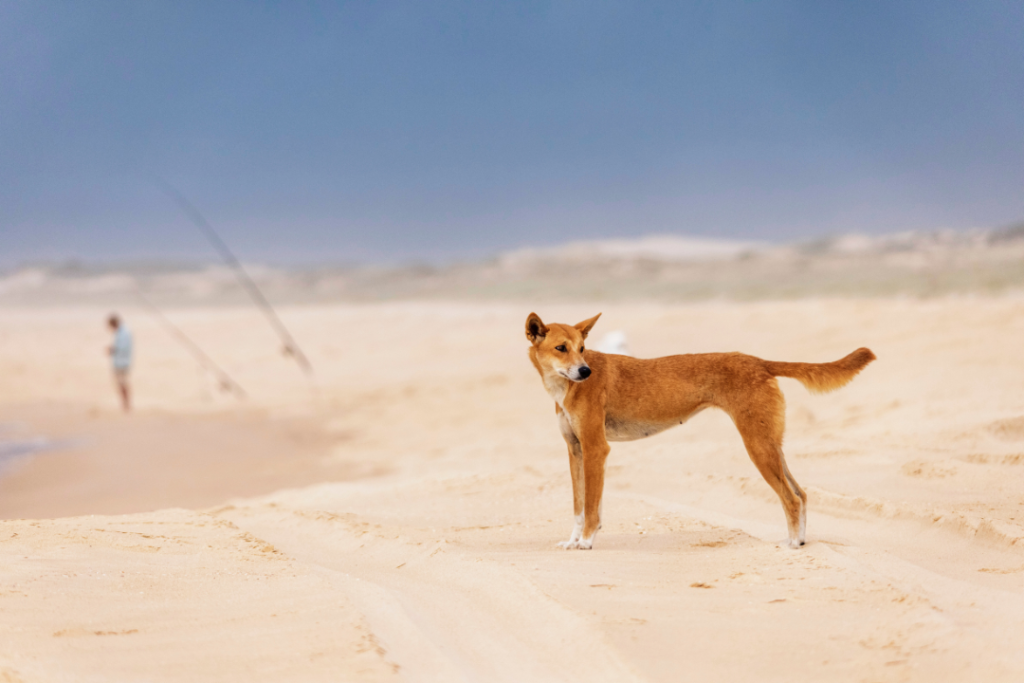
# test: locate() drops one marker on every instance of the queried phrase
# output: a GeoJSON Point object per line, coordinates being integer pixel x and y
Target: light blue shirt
{"type": "Point", "coordinates": [122, 356]}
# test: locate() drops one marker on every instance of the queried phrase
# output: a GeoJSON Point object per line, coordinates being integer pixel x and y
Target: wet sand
{"type": "Point", "coordinates": [109, 463]}
{"type": "Point", "coordinates": [428, 552]}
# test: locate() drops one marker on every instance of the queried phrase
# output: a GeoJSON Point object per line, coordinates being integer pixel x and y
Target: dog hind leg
{"type": "Point", "coordinates": [771, 464]}
{"type": "Point", "coordinates": [802, 532]}
{"type": "Point", "coordinates": [761, 424]}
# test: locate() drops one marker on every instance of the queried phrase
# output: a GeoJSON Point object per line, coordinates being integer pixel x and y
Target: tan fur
{"type": "Point", "coordinates": [626, 398]}
{"type": "Point", "coordinates": [821, 378]}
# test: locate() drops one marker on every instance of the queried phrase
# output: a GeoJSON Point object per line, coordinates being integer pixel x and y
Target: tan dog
{"type": "Point", "coordinates": [605, 397]}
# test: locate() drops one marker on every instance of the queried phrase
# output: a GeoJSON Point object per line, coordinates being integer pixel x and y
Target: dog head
{"type": "Point", "coordinates": [558, 349]}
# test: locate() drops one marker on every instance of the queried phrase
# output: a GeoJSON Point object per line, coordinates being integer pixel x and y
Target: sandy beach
{"type": "Point", "coordinates": [395, 517]}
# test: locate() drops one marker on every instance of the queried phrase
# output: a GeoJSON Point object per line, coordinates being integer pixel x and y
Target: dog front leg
{"type": "Point", "coordinates": [594, 456]}
{"type": "Point", "coordinates": [576, 471]}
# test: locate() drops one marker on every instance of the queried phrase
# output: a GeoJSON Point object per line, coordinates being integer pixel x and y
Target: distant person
{"type": "Point", "coordinates": [121, 357]}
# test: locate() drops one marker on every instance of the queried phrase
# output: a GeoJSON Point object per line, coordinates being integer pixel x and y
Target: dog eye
{"type": "Point", "coordinates": [560, 347]}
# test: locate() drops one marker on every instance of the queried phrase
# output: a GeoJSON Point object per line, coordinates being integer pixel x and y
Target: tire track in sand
{"type": "Point", "coordinates": [441, 616]}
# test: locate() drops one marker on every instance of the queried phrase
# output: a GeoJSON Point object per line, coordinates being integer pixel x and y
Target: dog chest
{"type": "Point", "coordinates": [557, 388]}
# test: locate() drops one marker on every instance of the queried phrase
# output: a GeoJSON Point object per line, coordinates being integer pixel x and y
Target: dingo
{"type": "Point", "coordinates": [605, 397]}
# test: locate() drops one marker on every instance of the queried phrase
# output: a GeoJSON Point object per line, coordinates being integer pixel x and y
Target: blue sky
{"type": "Point", "coordinates": [312, 132]}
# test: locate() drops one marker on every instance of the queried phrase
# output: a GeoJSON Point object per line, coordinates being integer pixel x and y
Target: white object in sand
{"type": "Point", "coordinates": [614, 342]}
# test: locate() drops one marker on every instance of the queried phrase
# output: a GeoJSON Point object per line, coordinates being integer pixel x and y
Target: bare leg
{"type": "Point", "coordinates": [124, 389]}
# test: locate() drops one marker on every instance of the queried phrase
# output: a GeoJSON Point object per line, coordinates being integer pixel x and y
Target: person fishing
{"type": "Point", "coordinates": [121, 357]}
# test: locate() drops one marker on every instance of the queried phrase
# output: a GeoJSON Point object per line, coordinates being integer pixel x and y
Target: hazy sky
{"type": "Point", "coordinates": [316, 131]}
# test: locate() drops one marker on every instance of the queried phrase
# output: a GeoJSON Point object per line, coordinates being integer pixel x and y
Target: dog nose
{"type": "Point", "coordinates": [584, 372]}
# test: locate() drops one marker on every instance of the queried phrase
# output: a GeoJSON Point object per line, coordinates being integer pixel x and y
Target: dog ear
{"type": "Point", "coordinates": [587, 325]}
{"type": "Point", "coordinates": [535, 328]}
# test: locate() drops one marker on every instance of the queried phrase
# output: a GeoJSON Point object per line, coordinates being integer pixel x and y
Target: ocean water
{"type": "Point", "coordinates": [13, 450]}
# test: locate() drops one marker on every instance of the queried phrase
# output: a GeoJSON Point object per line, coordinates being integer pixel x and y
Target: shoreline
{"type": "Point", "coordinates": [14, 451]}
{"type": "Point", "coordinates": [107, 463]}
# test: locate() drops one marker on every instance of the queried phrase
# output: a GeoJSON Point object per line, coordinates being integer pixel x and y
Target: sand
{"type": "Point", "coordinates": [396, 518]}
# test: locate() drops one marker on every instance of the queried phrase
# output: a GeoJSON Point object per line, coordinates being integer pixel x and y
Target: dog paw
{"type": "Point", "coordinates": [795, 544]}
{"type": "Point", "coordinates": [579, 544]}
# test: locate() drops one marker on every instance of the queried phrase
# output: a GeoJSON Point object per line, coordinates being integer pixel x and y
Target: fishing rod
{"type": "Point", "coordinates": [225, 380]}
{"type": "Point", "coordinates": [291, 348]}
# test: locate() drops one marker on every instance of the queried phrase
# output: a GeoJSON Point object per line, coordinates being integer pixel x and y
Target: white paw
{"type": "Point", "coordinates": [795, 544]}
{"type": "Point", "coordinates": [579, 544]}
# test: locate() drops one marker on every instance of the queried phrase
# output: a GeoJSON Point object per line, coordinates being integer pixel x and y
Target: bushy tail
{"type": "Point", "coordinates": [823, 377]}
